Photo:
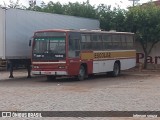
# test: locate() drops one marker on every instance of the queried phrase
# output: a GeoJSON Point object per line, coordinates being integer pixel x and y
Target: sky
{"type": "Point", "coordinates": [122, 3]}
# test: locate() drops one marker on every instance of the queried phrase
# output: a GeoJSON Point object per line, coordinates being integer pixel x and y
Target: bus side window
{"type": "Point", "coordinates": [74, 47]}
{"type": "Point", "coordinates": [86, 42]}
{"type": "Point", "coordinates": [123, 42]}
{"type": "Point", "coordinates": [129, 40]}
{"type": "Point", "coordinates": [116, 41]}
{"type": "Point", "coordinates": [107, 41]}
{"type": "Point", "coordinates": [97, 43]}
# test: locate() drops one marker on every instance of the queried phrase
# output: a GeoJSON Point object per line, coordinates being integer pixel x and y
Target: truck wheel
{"type": "Point", "coordinates": [51, 77]}
{"type": "Point", "coordinates": [82, 73]}
{"type": "Point", "coordinates": [116, 70]}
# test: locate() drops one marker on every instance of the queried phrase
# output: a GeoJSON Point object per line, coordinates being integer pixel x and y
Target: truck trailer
{"type": "Point", "coordinates": [17, 27]}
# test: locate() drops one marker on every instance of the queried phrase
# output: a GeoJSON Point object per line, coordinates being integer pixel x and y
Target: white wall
{"type": "Point", "coordinates": [153, 58]}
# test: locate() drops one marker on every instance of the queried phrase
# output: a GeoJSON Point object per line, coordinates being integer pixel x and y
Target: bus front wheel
{"type": "Point", "coordinates": [82, 73]}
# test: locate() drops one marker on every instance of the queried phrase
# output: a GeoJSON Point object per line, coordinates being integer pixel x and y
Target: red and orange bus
{"type": "Point", "coordinates": [81, 53]}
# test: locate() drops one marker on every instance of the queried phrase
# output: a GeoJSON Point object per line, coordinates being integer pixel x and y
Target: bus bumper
{"type": "Point", "coordinates": [58, 73]}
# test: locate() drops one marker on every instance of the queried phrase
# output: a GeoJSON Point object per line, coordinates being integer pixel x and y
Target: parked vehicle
{"type": "Point", "coordinates": [82, 53]}
{"type": "Point", "coordinates": [17, 28]}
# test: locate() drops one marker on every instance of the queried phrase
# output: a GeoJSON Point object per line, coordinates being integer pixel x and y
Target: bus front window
{"type": "Point", "coordinates": [40, 46]}
{"type": "Point", "coordinates": [49, 47]}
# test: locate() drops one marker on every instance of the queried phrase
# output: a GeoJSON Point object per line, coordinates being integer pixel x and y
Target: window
{"type": "Point", "coordinates": [41, 46]}
{"type": "Point", "coordinates": [97, 42]}
{"type": "Point", "coordinates": [74, 45]}
{"type": "Point", "coordinates": [116, 41]}
{"type": "Point", "coordinates": [57, 46]}
{"type": "Point", "coordinates": [129, 41]}
{"type": "Point", "coordinates": [107, 41]}
{"type": "Point", "coordinates": [123, 42]}
{"type": "Point", "coordinates": [86, 42]}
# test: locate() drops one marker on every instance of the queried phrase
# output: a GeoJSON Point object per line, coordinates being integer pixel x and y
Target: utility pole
{"type": "Point", "coordinates": [134, 2]}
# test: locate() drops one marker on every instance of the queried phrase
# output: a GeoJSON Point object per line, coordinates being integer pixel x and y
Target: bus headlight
{"type": "Point", "coordinates": [35, 66]}
{"type": "Point", "coordinates": [61, 67]}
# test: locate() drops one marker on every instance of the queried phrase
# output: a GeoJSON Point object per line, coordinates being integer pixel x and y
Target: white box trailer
{"type": "Point", "coordinates": [17, 27]}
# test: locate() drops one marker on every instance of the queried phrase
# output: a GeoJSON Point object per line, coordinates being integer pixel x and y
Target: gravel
{"type": "Point", "coordinates": [131, 91]}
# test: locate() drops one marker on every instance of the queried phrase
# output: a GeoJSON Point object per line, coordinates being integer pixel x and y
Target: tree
{"type": "Point", "coordinates": [16, 4]}
{"type": "Point", "coordinates": [118, 19]}
{"type": "Point", "coordinates": [111, 19]}
{"type": "Point", "coordinates": [53, 8]}
{"type": "Point", "coordinates": [80, 9]}
{"type": "Point", "coordinates": [105, 16]}
{"type": "Point", "coordinates": [13, 4]}
{"type": "Point", "coordinates": [144, 21]}
{"type": "Point", "coordinates": [74, 9]}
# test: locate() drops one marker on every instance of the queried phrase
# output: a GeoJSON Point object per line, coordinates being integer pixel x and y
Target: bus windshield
{"type": "Point", "coordinates": [49, 47]}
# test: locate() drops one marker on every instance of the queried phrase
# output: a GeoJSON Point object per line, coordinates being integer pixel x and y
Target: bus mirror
{"type": "Point", "coordinates": [30, 42]}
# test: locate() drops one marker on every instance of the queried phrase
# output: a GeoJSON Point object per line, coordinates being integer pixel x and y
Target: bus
{"type": "Point", "coordinates": [80, 53]}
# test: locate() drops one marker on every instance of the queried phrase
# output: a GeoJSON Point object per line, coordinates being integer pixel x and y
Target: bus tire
{"type": "Point", "coordinates": [116, 70]}
{"type": "Point", "coordinates": [82, 73]}
{"type": "Point", "coordinates": [51, 77]}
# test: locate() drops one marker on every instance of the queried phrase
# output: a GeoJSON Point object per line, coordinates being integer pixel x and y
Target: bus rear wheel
{"type": "Point", "coordinates": [82, 73]}
{"type": "Point", "coordinates": [51, 77]}
{"type": "Point", "coordinates": [116, 70]}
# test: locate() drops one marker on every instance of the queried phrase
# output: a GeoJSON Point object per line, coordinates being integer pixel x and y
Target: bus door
{"type": "Point", "coordinates": [74, 53]}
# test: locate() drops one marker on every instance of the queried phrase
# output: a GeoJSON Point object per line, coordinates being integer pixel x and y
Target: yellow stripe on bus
{"type": "Point", "coordinates": [107, 55]}
{"type": "Point", "coordinates": [87, 56]}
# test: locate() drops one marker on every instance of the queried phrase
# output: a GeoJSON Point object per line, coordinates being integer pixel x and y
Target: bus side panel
{"type": "Point", "coordinates": [89, 66]}
{"type": "Point", "coordinates": [103, 66]}
{"type": "Point", "coordinates": [87, 58]}
{"type": "Point", "coordinates": [128, 63]}
{"type": "Point", "coordinates": [73, 66]}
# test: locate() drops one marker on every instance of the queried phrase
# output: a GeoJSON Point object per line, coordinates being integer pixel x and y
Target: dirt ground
{"type": "Point", "coordinates": [131, 91]}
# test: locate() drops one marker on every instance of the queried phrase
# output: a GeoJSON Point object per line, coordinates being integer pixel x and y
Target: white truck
{"type": "Point", "coordinates": [17, 28]}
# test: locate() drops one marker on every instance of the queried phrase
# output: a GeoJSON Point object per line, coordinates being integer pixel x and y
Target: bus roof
{"type": "Point", "coordinates": [82, 31]}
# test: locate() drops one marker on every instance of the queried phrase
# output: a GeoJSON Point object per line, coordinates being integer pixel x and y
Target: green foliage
{"type": "Point", "coordinates": [111, 19]}
{"type": "Point", "coordinates": [74, 9]}
{"type": "Point", "coordinates": [145, 22]}
{"type": "Point", "coordinates": [52, 8]}
{"type": "Point", "coordinates": [105, 16]}
{"type": "Point", "coordinates": [82, 10]}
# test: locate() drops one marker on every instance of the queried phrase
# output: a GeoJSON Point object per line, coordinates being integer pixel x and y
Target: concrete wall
{"type": "Point", "coordinates": [154, 57]}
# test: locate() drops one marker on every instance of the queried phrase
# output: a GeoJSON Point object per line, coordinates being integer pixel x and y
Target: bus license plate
{"type": "Point", "coordinates": [48, 73]}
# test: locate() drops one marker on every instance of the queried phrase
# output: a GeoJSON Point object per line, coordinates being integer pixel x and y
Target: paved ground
{"type": "Point", "coordinates": [131, 91]}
